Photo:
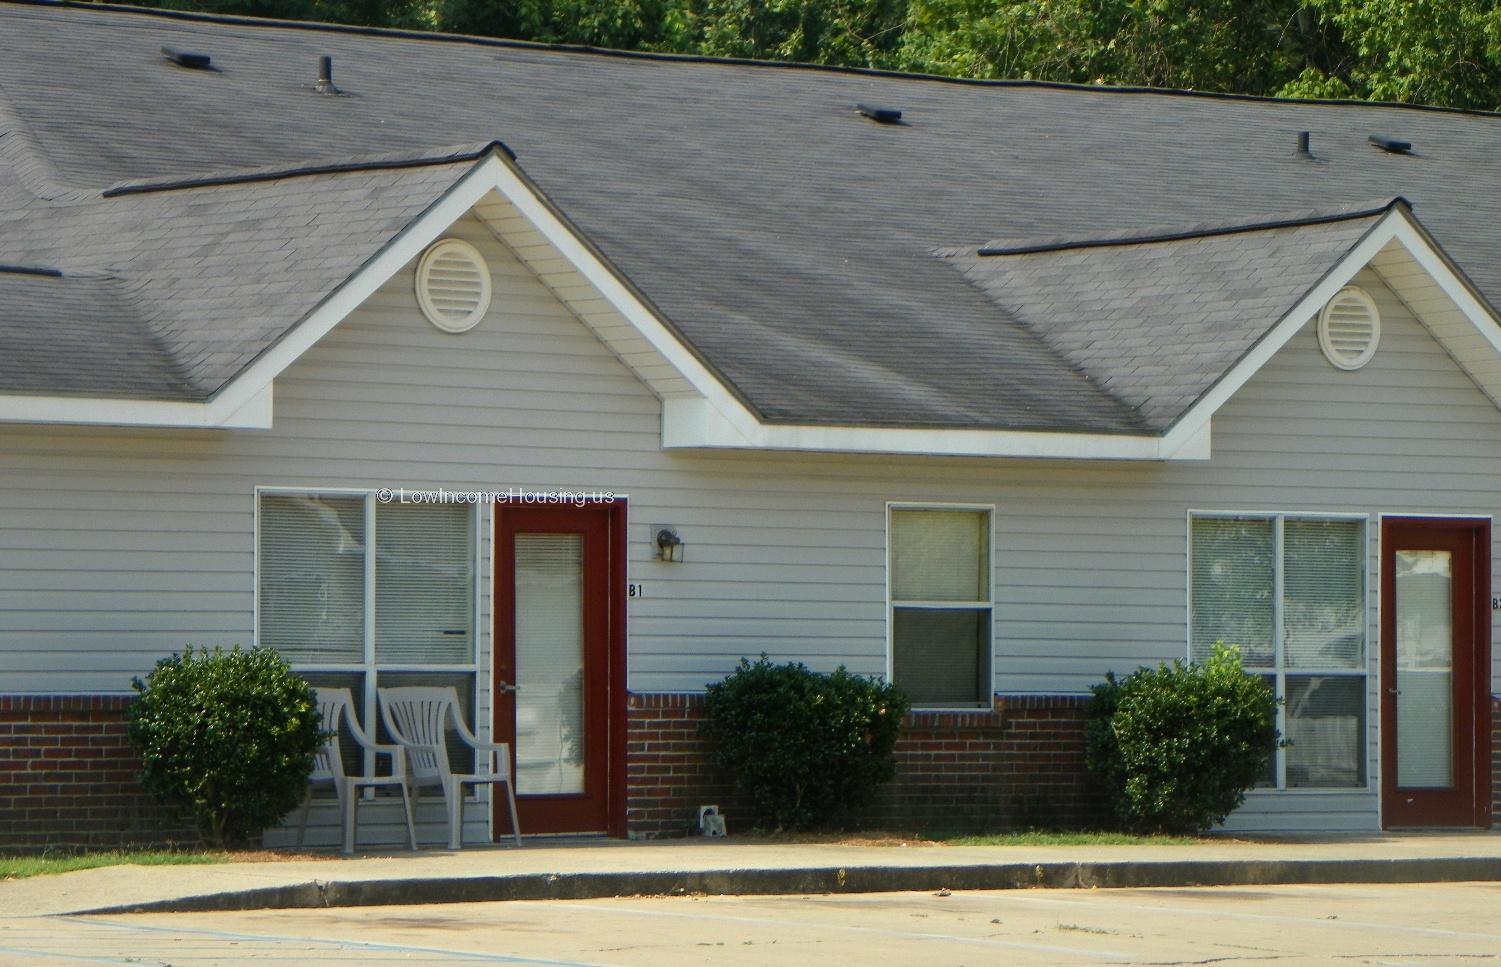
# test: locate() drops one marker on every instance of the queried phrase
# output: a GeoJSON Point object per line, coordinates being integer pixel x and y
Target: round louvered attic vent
{"type": "Point", "coordinates": [1349, 328]}
{"type": "Point", "coordinates": [453, 285]}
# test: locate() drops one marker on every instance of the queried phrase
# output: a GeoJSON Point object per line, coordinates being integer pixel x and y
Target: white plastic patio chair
{"type": "Point", "coordinates": [337, 706]}
{"type": "Point", "coordinates": [417, 718]}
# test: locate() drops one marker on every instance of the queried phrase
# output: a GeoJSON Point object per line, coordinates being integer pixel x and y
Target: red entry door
{"type": "Point", "coordinates": [1435, 672]}
{"type": "Point", "coordinates": [559, 664]}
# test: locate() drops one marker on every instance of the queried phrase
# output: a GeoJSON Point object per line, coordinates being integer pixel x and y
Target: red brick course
{"type": "Point", "coordinates": [1496, 761]}
{"type": "Point", "coordinates": [1020, 764]}
{"type": "Point", "coordinates": [68, 778]}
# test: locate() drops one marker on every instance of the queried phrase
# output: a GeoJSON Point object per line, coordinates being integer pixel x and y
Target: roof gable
{"type": "Point", "coordinates": [771, 297]}
{"type": "Point", "coordinates": [1156, 317]}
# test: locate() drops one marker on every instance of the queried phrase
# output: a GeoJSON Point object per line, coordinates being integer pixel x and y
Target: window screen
{"type": "Point", "coordinates": [941, 605]}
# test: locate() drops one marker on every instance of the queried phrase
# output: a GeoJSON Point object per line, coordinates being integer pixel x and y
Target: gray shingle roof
{"type": "Point", "coordinates": [1157, 317]}
{"type": "Point", "coordinates": [790, 240]}
{"type": "Point", "coordinates": [187, 286]}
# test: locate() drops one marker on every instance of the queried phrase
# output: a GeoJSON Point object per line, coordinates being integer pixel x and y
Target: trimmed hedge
{"type": "Point", "coordinates": [807, 750]}
{"type": "Point", "coordinates": [1179, 745]}
{"type": "Point", "coordinates": [229, 735]}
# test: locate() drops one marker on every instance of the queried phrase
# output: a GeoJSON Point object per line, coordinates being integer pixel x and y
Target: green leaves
{"type": "Point", "coordinates": [228, 735]}
{"type": "Point", "coordinates": [1444, 52]}
{"type": "Point", "coordinates": [1179, 745]}
{"type": "Point", "coordinates": [808, 750]}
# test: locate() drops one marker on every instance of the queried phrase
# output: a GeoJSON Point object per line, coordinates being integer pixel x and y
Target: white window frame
{"type": "Point", "coordinates": [368, 668]}
{"type": "Point", "coordinates": [1279, 672]}
{"type": "Point", "coordinates": [987, 605]}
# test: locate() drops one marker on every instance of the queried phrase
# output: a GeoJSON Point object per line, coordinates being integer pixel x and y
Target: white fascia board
{"type": "Point", "coordinates": [253, 414]}
{"type": "Point", "coordinates": [1422, 250]}
{"type": "Point", "coordinates": [1194, 422]}
{"type": "Point", "coordinates": [688, 423]}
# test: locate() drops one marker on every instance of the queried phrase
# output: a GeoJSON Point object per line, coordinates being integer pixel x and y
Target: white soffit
{"type": "Point", "coordinates": [1448, 311]}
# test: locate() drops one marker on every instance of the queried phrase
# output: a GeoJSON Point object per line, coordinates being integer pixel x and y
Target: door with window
{"type": "Point", "coordinates": [1435, 636]}
{"type": "Point", "coordinates": [559, 664]}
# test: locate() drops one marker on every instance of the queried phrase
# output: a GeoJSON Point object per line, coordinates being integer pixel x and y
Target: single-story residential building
{"type": "Point", "coordinates": [570, 377]}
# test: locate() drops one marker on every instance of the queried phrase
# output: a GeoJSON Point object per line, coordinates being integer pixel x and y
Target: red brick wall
{"type": "Point", "coordinates": [1496, 761]}
{"type": "Point", "coordinates": [68, 778]}
{"type": "Point", "coordinates": [1020, 764]}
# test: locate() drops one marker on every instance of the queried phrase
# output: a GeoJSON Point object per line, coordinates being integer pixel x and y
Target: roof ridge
{"type": "Point", "coordinates": [7, 268]}
{"type": "Point", "coordinates": [1202, 230]}
{"type": "Point", "coordinates": [440, 37]}
{"type": "Point", "coordinates": [376, 162]}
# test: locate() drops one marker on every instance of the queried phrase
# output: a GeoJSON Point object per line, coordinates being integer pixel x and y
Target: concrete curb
{"type": "Point", "coordinates": [319, 894]}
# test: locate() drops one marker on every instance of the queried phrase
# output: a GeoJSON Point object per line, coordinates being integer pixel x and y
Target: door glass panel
{"type": "Point", "coordinates": [1425, 654]}
{"type": "Point", "coordinates": [549, 664]}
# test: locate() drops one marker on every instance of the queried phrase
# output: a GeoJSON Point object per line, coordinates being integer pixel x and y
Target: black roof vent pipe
{"type": "Point", "coordinates": [325, 83]}
{"type": "Point", "coordinates": [1303, 149]}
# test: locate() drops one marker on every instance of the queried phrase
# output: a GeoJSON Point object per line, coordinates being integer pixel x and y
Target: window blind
{"type": "Point", "coordinates": [312, 578]}
{"type": "Point", "coordinates": [1233, 584]}
{"type": "Point", "coordinates": [1323, 593]}
{"type": "Point", "coordinates": [939, 555]}
{"type": "Point", "coordinates": [424, 584]}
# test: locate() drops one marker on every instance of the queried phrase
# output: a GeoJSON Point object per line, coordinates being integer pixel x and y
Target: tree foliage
{"type": "Point", "coordinates": [1445, 52]}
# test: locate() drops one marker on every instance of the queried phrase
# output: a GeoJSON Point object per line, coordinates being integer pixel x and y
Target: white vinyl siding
{"type": "Point", "coordinates": [122, 545]}
{"type": "Point", "coordinates": [1290, 593]}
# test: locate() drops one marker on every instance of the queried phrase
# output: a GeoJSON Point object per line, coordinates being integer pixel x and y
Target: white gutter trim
{"type": "Point", "coordinates": [689, 424]}
{"type": "Point", "coordinates": [253, 414]}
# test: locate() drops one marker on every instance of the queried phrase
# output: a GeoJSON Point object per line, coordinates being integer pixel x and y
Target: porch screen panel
{"type": "Point", "coordinates": [1324, 594]}
{"type": "Point", "coordinates": [312, 578]}
{"type": "Point", "coordinates": [549, 664]}
{"type": "Point", "coordinates": [424, 584]}
{"type": "Point", "coordinates": [1233, 587]}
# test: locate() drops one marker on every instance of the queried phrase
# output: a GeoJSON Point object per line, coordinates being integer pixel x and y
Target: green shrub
{"type": "Point", "coordinates": [1179, 745]}
{"type": "Point", "coordinates": [808, 750]}
{"type": "Point", "coordinates": [229, 735]}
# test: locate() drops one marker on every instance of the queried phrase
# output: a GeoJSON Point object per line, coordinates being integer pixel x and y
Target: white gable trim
{"type": "Point", "coordinates": [1396, 226]}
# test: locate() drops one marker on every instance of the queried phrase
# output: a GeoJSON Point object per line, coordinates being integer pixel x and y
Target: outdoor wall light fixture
{"type": "Point", "coordinates": [669, 545]}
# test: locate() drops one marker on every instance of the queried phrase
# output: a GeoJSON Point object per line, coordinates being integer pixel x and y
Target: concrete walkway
{"type": "Point", "coordinates": [561, 869]}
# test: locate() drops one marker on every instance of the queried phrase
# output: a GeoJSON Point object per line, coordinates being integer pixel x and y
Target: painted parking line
{"type": "Point", "coordinates": [98, 941]}
{"type": "Point", "coordinates": [792, 923]}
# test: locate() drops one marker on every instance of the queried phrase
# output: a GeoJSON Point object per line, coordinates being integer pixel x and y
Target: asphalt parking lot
{"type": "Point", "coordinates": [1369, 924]}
